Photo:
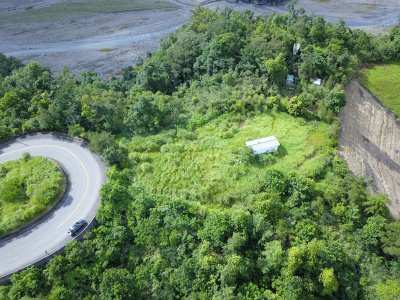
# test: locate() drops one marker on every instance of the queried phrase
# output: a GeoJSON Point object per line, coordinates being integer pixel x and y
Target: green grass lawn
{"type": "Point", "coordinates": [204, 165]}
{"type": "Point", "coordinates": [384, 82]}
{"type": "Point", "coordinates": [28, 188]}
{"type": "Point", "coordinates": [72, 10]}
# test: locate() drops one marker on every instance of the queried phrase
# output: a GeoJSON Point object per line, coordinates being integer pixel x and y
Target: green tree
{"type": "Point", "coordinates": [76, 130]}
{"type": "Point", "coordinates": [272, 258]}
{"type": "Point", "coordinates": [114, 155]}
{"type": "Point", "coordinates": [290, 287]}
{"type": "Point", "coordinates": [114, 192]}
{"type": "Point", "coordinates": [144, 116]}
{"type": "Point", "coordinates": [12, 190]}
{"type": "Point", "coordinates": [270, 209]}
{"type": "Point", "coordinates": [222, 53]}
{"type": "Point", "coordinates": [118, 284]}
{"type": "Point", "coordinates": [154, 77]}
{"type": "Point", "coordinates": [389, 290]}
{"type": "Point", "coordinates": [217, 229]}
{"type": "Point", "coordinates": [32, 78]}
{"type": "Point", "coordinates": [376, 205]}
{"type": "Point", "coordinates": [300, 187]}
{"type": "Point", "coordinates": [8, 64]}
{"type": "Point", "coordinates": [276, 69]}
{"type": "Point", "coordinates": [295, 106]}
{"type": "Point", "coordinates": [293, 262]}
{"type": "Point", "coordinates": [101, 141]}
{"type": "Point", "coordinates": [234, 267]}
{"type": "Point", "coordinates": [390, 239]}
{"type": "Point", "coordinates": [13, 107]}
{"type": "Point", "coordinates": [29, 282]}
{"type": "Point", "coordinates": [274, 181]}
{"type": "Point", "coordinates": [329, 281]}
{"type": "Point", "coordinates": [369, 234]}
{"type": "Point", "coordinates": [341, 212]}
{"type": "Point", "coordinates": [335, 100]}
{"type": "Point", "coordinates": [318, 30]}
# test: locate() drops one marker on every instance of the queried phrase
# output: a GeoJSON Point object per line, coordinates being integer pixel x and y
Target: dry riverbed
{"type": "Point", "coordinates": [107, 41]}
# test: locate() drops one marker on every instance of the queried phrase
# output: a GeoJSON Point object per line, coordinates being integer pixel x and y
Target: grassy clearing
{"type": "Point", "coordinates": [28, 188]}
{"type": "Point", "coordinates": [383, 82]}
{"type": "Point", "coordinates": [204, 165]}
{"type": "Point", "coordinates": [72, 10]}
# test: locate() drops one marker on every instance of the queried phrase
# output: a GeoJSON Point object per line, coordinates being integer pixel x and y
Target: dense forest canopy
{"type": "Point", "coordinates": [301, 230]}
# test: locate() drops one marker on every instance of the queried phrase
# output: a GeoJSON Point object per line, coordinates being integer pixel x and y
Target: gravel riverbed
{"type": "Point", "coordinates": [106, 43]}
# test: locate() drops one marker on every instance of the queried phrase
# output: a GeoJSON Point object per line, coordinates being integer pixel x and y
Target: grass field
{"type": "Point", "coordinates": [72, 10]}
{"type": "Point", "coordinates": [28, 188]}
{"type": "Point", "coordinates": [384, 82]}
{"type": "Point", "coordinates": [205, 166]}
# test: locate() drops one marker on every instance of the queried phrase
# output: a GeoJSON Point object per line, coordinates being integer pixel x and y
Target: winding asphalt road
{"type": "Point", "coordinates": [86, 175]}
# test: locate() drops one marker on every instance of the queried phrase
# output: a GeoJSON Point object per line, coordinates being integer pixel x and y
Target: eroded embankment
{"type": "Point", "coordinates": [370, 142]}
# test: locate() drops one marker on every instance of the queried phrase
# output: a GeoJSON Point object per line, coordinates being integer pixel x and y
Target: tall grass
{"type": "Point", "coordinates": [28, 188]}
{"type": "Point", "coordinates": [209, 166]}
{"type": "Point", "coordinates": [384, 82]}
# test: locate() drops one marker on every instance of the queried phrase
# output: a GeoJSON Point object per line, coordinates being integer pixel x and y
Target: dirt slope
{"type": "Point", "coordinates": [370, 142]}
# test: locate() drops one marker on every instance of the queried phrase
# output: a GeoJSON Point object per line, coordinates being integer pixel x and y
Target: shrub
{"type": "Point", "coordinates": [246, 155]}
{"type": "Point", "coordinates": [335, 100]}
{"type": "Point", "coordinates": [265, 159]}
{"type": "Point", "coordinates": [275, 181]}
{"type": "Point", "coordinates": [101, 141]}
{"type": "Point", "coordinates": [195, 121]}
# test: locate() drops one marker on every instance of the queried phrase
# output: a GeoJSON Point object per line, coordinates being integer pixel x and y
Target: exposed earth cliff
{"type": "Point", "coordinates": [370, 142]}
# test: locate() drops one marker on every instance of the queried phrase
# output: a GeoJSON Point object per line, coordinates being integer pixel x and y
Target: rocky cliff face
{"type": "Point", "coordinates": [370, 142]}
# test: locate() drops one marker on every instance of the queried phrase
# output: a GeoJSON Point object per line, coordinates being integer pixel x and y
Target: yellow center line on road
{"type": "Point", "coordinates": [83, 166]}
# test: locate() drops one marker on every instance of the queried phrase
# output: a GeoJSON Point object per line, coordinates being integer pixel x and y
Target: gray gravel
{"type": "Point", "coordinates": [106, 43]}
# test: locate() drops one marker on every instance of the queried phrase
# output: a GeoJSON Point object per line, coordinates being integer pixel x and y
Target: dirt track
{"type": "Point", "coordinates": [370, 142]}
{"type": "Point", "coordinates": [105, 43]}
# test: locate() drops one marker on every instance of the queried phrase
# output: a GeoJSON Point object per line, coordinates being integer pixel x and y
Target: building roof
{"type": "Point", "coordinates": [296, 48]}
{"type": "Point", "coordinates": [317, 81]}
{"type": "Point", "coordinates": [264, 143]}
{"type": "Point", "coordinates": [290, 77]}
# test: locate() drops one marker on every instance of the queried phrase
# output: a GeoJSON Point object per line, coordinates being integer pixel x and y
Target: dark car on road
{"type": "Point", "coordinates": [78, 225]}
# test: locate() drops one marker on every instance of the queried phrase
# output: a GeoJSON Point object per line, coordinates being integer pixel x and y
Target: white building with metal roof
{"type": "Point", "coordinates": [264, 145]}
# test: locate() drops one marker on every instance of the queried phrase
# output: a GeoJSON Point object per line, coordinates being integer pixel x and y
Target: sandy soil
{"type": "Point", "coordinates": [370, 142]}
{"type": "Point", "coordinates": [105, 43]}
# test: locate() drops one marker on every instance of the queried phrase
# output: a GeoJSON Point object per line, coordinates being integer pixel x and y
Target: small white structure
{"type": "Point", "coordinates": [289, 81]}
{"type": "Point", "coordinates": [296, 48]}
{"type": "Point", "coordinates": [317, 82]}
{"type": "Point", "coordinates": [264, 145]}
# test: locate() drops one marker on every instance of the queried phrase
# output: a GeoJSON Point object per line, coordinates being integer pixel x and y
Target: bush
{"type": "Point", "coordinates": [196, 121]}
{"type": "Point", "coordinates": [265, 159]}
{"type": "Point", "coordinates": [246, 155]}
{"type": "Point", "coordinates": [113, 155]}
{"type": "Point", "coordinates": [275, 181]}
{"type": "Point", "coordinates": [7, 65]}
{"type": "Point", "coordinates": [335, 100]}
{"type": "Point", "coordinates": [76, 130]}
{"type": "Point", "coordinates": [101, 141]}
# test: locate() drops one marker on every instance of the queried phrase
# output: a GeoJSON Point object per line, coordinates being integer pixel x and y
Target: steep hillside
{"type": "Point", "coordinates": [370, 142]}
